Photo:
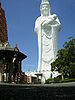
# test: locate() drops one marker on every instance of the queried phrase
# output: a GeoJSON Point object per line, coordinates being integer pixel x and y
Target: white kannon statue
{"type": "Point", "coordinates": [47, 27]}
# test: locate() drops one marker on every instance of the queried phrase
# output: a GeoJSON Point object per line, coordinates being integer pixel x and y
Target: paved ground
{"type": "Point", "coordinates": [65, 91]}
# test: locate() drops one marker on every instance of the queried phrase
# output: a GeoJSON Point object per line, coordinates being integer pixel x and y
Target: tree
{"type": "Point", "coordinates": [65, 62]}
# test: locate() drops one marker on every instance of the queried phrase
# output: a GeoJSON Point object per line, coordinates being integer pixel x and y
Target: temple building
{"type": "Point", "coordinates": [10, 58]}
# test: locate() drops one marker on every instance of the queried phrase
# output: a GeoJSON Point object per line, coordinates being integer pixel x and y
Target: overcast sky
{"type": "Point", "coordinates": [21, 16]}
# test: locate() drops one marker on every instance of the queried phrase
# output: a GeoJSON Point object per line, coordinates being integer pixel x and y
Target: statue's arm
{"type": "Point", "coordinates": [35, 29]}
{"type": "Point", "coordinates": [52, 20]}
{"type": "Point", "coordinates": [36, 26]}
{"type": "Point", "coordinates": [58, 24]}
{"type": "Point", "coordinates": [55, 22]}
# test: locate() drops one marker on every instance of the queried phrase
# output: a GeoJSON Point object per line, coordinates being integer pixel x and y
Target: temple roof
{"type": "Point", "coordinates": [10, 54]}
{"type": "Point", "coordinates": [5, 49]}
{"type": "Point", "coordinates": [3, 26]}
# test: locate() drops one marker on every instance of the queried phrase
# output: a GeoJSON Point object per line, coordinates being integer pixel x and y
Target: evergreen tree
{"type": "Point", "coordinates": [65, 62]}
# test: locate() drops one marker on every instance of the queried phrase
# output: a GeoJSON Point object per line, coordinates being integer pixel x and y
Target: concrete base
{"type": "Point", "coordinates": [0, 77]}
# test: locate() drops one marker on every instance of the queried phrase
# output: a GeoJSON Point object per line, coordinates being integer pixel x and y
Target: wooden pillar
{"type": "Point", "coordinates": [19, 71]}
{"type": "Point", "coordinates": [1, 70]}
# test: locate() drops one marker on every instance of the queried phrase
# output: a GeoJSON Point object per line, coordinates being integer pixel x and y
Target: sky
{"type": "Point", "coordinates": [21, 16]}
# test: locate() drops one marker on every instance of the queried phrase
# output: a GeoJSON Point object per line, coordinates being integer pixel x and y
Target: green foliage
{"type": "Point", "coordinates": [49, 81]}
{"type": "Point", "coordinates": [58, 80]}
{"type": "Point", "coordinates": [65, 62]}
{"type": "Point", "coordinates": [68, 80]}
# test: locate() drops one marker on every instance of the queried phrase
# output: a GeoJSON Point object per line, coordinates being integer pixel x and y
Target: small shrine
{"type": "Point", "coordinates": [10, 58]}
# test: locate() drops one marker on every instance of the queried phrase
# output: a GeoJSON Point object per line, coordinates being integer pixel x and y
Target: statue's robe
{"type": "Point", "coordinates": [47, 29]}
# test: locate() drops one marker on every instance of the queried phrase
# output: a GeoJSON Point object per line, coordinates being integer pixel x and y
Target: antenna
{"type": "Point", "coordinates": [4, 4]}
{"type": "Point", "coordinates": [0, 2]}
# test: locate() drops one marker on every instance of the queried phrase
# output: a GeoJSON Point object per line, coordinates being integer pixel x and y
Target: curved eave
{"type": "Point", "coordinates": [9, 54]}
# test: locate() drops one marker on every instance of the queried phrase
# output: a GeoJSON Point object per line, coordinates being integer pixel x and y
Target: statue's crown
{"type": "Point", "coordinates": [45, 1]}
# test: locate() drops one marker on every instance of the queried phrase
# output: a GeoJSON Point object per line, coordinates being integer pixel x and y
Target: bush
{"type": "Point", "coordinates": [68, 80]}
{"type": "Point", "coordinates": [49, 81]}
{"type": "Point", "coordinates": [58, 80]}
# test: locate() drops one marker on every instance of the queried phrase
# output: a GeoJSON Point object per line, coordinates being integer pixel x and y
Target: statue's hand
{"type": "Point", "coordinates": [46, 22]}
{"type": "Point", "coordinates": [54, 16]}
{"type": "Point", "coordinates": [49, 20]}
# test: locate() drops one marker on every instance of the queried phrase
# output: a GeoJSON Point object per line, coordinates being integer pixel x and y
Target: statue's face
{"type": "Point", "coordinates": [45, 10]}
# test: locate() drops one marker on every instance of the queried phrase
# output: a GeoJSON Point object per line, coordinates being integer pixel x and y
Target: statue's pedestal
{"type": "Point", "coordinates": [44, 75]}
{"type": "Point", "coordinates": [0, 77]}
{"type": "Point", "coordinates": [39, 77]}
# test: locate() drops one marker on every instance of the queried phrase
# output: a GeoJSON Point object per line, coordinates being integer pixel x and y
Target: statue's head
{"type": "Point", "coordinates": [45, 8]}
